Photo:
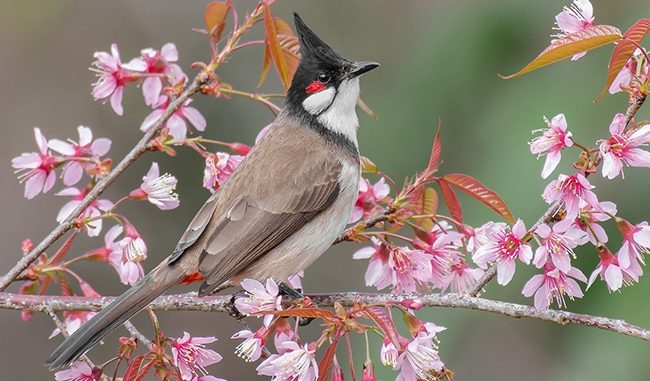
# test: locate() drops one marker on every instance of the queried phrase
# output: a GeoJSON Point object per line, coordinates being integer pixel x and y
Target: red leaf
{"type": "Point", "coordinates": [274, 48]}
{"type": "Point", "coordinates": [436, 151]}
{"type": "Point", "coordinates": [383, 319]}
{"type": "Point", "coordinates": [64, 249]}
{"type": "Point", "coordinates": [132, 369]}
{"type": "Point", "coordinates": [136, 371]}
{"type": "Point", "coordinates": [570, 45]}
{"type": "Point", "coordinates": [326, 362]}
{"type": "Point", "coordinates": [314, 313]}
{"type": "Point", "coordinates": [624, 50]}
{"type": "Point", "coordinates": [215, 19]}
{"type": "Point", "coordinates": [451, 200]}
{"type": "Point", "coordinates": [474, 188]}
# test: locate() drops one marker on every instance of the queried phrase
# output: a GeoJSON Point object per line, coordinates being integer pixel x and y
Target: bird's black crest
{"type": "Point", "coordinates": [313, 48]}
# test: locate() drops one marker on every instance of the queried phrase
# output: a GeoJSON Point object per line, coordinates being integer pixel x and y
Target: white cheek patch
{"type": "Point", "coordinates": [316, 103]}
{"type": "Point", "coordinates": [341, 116]}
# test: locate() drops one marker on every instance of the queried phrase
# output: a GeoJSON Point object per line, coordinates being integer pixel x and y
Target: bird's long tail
{"type": "Point", "coordinates": [112, 316]}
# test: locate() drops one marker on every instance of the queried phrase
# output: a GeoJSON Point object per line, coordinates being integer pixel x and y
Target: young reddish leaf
{"type": "Point", "coordinates": [474, 188]}
{"type": "Point", "coordinates": [436, 151]}
{"type": "Point", "coordinates": [624, 50]}
{"type": "Point", "coordinates": [145, 369]}
{"type": "Point", "coordinates": [266, 65]}
{"type": "Point", "coordinates": [326, 362]}
{"type": "Point", "coordinates": [451, 200]}
{"type": "Point", "coordinates": [132, 369]}
{"type": "Point", "coordinates": [60, 278]}
{"type": "Point", "coordinates": [64, 249]}
{"type": "Point", "coordinates": [314, 313]}
{"type": "Point", "coordinates": [275, 50]}
{"type": "Point", "coordinates": [289, 44]}
{"type": "Point", "coordinates": [570, 45]}
{"type": "Point", "coordinates": [215, 19]}
{"type": "Point", "coordinates": [384, 320]}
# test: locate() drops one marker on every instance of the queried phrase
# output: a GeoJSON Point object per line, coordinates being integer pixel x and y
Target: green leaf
{"type": "Point", "coordinates": [570, 45]}
{"type": "Point", "coordinates": [624, 50]}
{"type": "Point", "coordinates": [474, 188]}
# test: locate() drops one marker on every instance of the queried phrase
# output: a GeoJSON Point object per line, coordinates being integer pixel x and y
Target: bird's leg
{"type": "Point", "coordinates": [294, 294]}
{"type": "Point", "coordinates": [232, 309]}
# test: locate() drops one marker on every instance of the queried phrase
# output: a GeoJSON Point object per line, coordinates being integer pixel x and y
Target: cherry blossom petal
{"type": "Point", "coordinates": [194, 117]}
{"type": "Point", "coordinates": [101, 146]}
{"type": "Point", "coordinates": [72, 173]}
{"type": "Point", "coordinates": [151, 119]}
{"type": "Point", "coordinates": [116, 101]}
{"type": "Point", "coordinates": [169, 52]}
{"type": "Point", "coordinates": [61, 147]}
{"type": "Point", "coordinates": [151, 88]}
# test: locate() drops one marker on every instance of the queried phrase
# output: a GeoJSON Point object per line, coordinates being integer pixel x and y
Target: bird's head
{"type": "Point", "coordinates": [324, 79]}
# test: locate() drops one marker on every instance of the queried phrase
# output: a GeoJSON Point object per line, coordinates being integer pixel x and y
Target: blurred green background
{"type": "Point", "coordinates": [439, 59]}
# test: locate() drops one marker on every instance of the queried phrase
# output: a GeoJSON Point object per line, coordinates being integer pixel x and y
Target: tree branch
{"type": "Point", "coordinates": [221, 303]}
{"type": "Point", "coordinates": [141, 147]}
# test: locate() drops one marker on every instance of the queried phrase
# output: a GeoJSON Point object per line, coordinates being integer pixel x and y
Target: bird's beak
{"type": "Point", "coordinates": [361, 67]}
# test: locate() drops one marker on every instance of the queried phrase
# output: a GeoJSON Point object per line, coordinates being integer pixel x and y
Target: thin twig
{"type": "Point", "coordinates": [140, 148]}
{"type": "Point", "coordinates": [221, 303]}
{"type": "Point", "coordinates": [64, 331]}
{"type": "Point", "coordinates": [137, 334]}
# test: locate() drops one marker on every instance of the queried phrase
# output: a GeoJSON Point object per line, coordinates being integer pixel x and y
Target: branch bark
{"type": "Point", "coordinates": [222, 303]}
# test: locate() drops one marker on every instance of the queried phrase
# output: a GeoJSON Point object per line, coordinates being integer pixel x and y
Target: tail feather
{"type": "Point", "coordinates": [108, 319]}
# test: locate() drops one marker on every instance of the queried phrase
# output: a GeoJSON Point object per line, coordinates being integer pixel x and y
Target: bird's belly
{"type": "Point", "coordinates": [302, 248]}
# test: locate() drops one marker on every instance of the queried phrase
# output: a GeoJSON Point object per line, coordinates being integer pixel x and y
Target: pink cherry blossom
{"type": "Point", "coordinates": [462, 277]}
{"type": "Point", "coordinates": [133, 246]}
{"type": "Point", "coordinates": [79, 371]}
{"type": "Point", "coordinates": [37, 168]}
{"type": "Point", "coordinates": [296, 364]}
{"type": "Point", "coordinates": [337, 372]}
{"type": "Point", "coordinates": [626, 77]}
{"type": "Point", "coordinates": [557, 245]}
{"type": "Point", "coordinates": [477, 237]}
{"type": "Point", "coordinates": [130, 272]}
{"type": "Point", "coordinates": [623, 147]}
{"type": "Point", "coordinates": [295, 280]}
{"type": "Point", "coordinates": [159, 64]}
{"type": "Point", "coordinates": [159, 190]}
{"type": "Point", "coordinates": [504, 246]}
{"type": "Point", "coordinates": [176, 125]}
{"type": "Point", "coordinates": [403, 268]}
{"type": "Point", "coordinates": [553, 140]}
{"type": "Point", "coordinates": [443, 250]}
{"type": "Point", "coordinates": [554, 284]}
{"type": "Point", "coordinates": [574, 192]}
{"type": "Point", "coordinates": [283, 332]}
{"type": "Point", "coordinates": [94, 210]}
{"type": "Point", "coordinates": [73, 320]}
{"type": "Point", "coordinates": [610, 271]}
{"type": "Point", "coordinates": [218, 168]}
{"type": "Point", "coordinates": [85, 148]}
{"type": "Point", "coordinates": [586, 221]}
{"type": "Point", "coordinates": [419, 360]}
{"type": "Point", "coordinates": [260, 298]}
{"type": "Point", "coordinates": [251, 348]}
{"type": "Point", "coordinates": [636, 244]}
{"type": "Point", "coordinates": [574, 18]}
{"type": "Point", "coordinates": [114, 76]}
{"type": "Point", "coordinates": [389, 353]}
{"type": "Point", "coordinates": [190, 352]}
{"type": "Point", "coordinates": [368, 198]}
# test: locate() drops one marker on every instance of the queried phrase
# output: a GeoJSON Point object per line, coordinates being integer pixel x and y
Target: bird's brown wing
{"type": "Point", "coordinates": [196, 228]}
{"type": "Point", "coordinates": [260, 220]}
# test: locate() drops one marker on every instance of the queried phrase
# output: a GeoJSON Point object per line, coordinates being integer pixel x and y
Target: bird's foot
{"type": "Point", "coordinates": [232, 309]}
{"type": "Point", "coordinates": [295, 294]}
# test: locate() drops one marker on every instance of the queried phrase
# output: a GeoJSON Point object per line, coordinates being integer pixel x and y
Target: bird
{"type": "Point", "coordinates": [282, 207]}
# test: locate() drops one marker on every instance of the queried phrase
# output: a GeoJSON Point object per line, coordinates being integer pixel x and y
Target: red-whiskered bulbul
{"type": "Point", "coordinates": [282, 207]}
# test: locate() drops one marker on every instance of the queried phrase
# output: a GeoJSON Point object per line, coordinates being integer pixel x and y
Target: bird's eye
{"type": "Point", "coordinates": [324, 78]}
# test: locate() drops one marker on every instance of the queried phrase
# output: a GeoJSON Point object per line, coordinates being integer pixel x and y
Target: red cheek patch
{"type": "Point", "coordinates": [315, 87]}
